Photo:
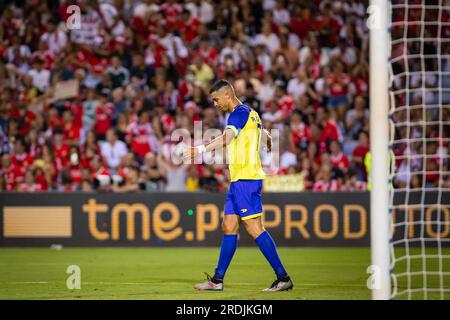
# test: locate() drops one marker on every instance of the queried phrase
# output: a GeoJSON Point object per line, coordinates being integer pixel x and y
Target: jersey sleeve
{"type": "Point", "coordinates": [237, 120]}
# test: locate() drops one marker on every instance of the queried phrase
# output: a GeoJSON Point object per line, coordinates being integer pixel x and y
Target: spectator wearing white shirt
{"type": "Point", "coordinates": [297, 86]}
{"type": "Point", "coordinates": [19, 54]}
{"type": "Point", "coordinates": [55, 39]}
{"type": "Point", "coordinates": [274, 115]}
{"type": "Point", "coordinates": [345, 52]}
{"type": "Point", "coordinates": [268, 38]}
{"type": "Point", "coordinates": [293, 39]}
{"type": "Point", "coordinates": [354, 8]}
{"type": "Point", "coordinates": [40, 76]}
{"type": "Point", "coordinates": [113, 150]}
{"type": "Point", "coordinates": [173, 44]}
{"type": "Point", "coordinates": [230, 49]}
{"type": "Point", "coordinates": [269, 5]}
{"type": "Point", "coordinates": [263, 58]}
{"type": "Point", "coordinates": [266, 89]}
{"type": "Point", "coordinates": [287, 157]}
{"type": "Point", "coordinates": [142, 9]}
{"type": "Point", "coordinates": [281, 14]}
{"type": "Point", "coordinates": [110, 16]}
{"type": "Point", "coordinates": [202, 10]}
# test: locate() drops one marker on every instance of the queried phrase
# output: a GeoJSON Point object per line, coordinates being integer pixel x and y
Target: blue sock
{"type": "Point", "coordinates": [269, 250]}
{"type": "Point", "coordinates": [229, 245]}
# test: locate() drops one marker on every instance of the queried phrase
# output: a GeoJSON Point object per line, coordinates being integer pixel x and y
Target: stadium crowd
{"type": "Point", "coordinates": [144, 68]}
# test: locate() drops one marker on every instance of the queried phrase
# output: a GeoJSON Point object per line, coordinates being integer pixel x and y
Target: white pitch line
{"type": "Point", "coordinates": [27, 282]}
{"type": "Point", "coordinates": [236, 284]}
{"type": "Point", "coordinates": [331, 285]}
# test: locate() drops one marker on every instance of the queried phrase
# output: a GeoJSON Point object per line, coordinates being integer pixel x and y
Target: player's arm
{"type": "Point", "coordinates": [219, 142]}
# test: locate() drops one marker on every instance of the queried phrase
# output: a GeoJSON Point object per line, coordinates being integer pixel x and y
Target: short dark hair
{"type": "Point", "coordinates": [114, 131]}
{"type": "Point", "coordinates": [219, 84]}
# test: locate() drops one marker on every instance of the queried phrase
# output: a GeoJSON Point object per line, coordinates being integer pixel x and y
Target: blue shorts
{"type": "Point", "coordinates": [244, 199]}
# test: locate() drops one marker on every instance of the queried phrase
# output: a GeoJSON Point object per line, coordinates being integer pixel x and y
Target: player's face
{"type": "Point", "coordinates": [220, 100]}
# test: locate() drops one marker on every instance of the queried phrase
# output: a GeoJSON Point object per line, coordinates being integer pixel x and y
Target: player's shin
{"type": "Point", "coordinates": [227, 250]}
{"type": "Point", "coordinates": [269, 250]}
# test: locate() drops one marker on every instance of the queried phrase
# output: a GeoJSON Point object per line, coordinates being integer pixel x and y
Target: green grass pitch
{"type": "Point", "coordinates": [170, 273]}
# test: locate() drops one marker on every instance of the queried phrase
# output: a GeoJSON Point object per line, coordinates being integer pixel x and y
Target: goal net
{"type": "Point", "coordinates": [419, 116]}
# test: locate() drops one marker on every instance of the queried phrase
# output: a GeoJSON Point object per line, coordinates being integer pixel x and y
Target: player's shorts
{"type": "Point", "coordinates": [244, 199]}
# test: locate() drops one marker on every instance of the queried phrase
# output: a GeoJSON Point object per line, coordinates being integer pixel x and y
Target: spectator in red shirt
{"type": "Point", "coordinates": [172, 11]}
{"type": "Point", "coordinates": [104, 117]}
{"type": "Point", "coordinates": [300, 133]}
{"type": "Point", "coordinates": [75, 167]}
{"type": "Point", "coordinates": [285, 104]}
{"type": "Point", "coordinates": [301, 22]}
{"type": "Point", "coordinates": [41, 178]}
{"type": "Point", "coordinates": [187, 26]}
{"type": "Point", "coordinates": [61, 150]}
{"type": "Point", "coordinates": [34, 143]}
{"type": "Point", "coordinates": [87, 58]}
{"type": "Point", "coordinates": [24, 117]}
{"type": "Point", "coordinates": [99, 174]}
{"type": "Point", "coordinates": [140, 135]}
{"type": "Point", "coordinates": [338, 159]}
{"type": "Point", "coordinates": [53, 119]}
{"type": "Point", "coordinates": [29, 184]}
{"type": "Point", "coordinates": [11, 173]}
{"type": "Point", "coordinates": [21, 158]}
{"type": "Point", "coordinates": [209, 54]}
{"type": "Point", "coordinates": [70, 130]}
{"type": "Point", "coordinates": [327, 27]}
{"type": "Point", "coordinates": [360, 76]}
{"type": "Point", "coordinates": [324, 180]}
{"type": "Point", "coordinates": [330, 129]}
{"type": "Point", "coordinates": [338, 84]}
{"type": "Point", "coordinates": [44, 55]}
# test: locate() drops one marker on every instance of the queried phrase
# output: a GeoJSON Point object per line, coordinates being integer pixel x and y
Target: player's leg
{"type": "Point", "coordinates": [250, 208]}
{"type": "Point", "coordinates": [255, 228]}
{"type": "Point", "coordinates": [230, 227]}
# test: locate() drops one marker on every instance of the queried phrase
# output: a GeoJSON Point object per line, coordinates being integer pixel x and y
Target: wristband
{"type": "Point", "coordinates": [201, 148]}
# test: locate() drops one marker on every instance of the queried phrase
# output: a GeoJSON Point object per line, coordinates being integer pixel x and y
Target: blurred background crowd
{"type": "Point", "coordinates": [143, 69]}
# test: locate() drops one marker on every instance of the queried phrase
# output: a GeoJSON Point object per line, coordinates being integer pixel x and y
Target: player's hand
{"type": "Point", "coordinates": [189, 154]}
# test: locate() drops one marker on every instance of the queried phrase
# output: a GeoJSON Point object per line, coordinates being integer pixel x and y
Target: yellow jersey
{"type": "Point", "coordinates": [243, 152]}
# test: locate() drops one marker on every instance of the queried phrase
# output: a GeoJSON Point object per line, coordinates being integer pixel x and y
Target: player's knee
{"type": "Point", "coordinates": [254, 228]}
{"type": "Point", "coordinates": [228, 228]}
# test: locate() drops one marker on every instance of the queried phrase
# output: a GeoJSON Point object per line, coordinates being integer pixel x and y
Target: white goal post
{"type": "Point", "coordinates": [379, 136]}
